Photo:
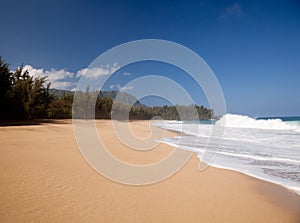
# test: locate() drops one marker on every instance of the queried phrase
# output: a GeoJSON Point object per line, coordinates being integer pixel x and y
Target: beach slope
{"type": "Point", "coordinates": [44, 178]}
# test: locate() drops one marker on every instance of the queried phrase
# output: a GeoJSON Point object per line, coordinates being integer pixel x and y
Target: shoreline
{"type": "Point", "coordinates": [44, 177]}
{"type": "Point", "coordinates": [257, 178]}
{"type": "Point", "coordinates": [228, 168]}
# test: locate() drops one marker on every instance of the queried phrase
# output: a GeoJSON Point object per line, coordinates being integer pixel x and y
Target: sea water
{"type": "Point", "coordinates": [265, 148]}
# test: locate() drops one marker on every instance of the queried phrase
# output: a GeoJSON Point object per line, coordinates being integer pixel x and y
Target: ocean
{"type": "Point", "coordinates": [265, 148]}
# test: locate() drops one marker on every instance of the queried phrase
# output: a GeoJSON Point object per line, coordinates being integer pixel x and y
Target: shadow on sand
{"type": "Point", "coordinates": [33, 122]}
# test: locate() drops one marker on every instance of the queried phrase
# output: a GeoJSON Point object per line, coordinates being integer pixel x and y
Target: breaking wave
{"type": "Point", "coordinates": [241, 121]}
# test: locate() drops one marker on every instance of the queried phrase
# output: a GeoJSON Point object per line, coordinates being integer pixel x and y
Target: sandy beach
{"type": "Point", "coordinates": [44, 178]}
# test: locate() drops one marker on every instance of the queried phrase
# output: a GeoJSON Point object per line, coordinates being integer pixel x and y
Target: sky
{"type": "Point", "coordinates": [252, 47]}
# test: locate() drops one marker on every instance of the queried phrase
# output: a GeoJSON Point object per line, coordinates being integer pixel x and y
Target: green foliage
{"type": "Point", "coordinates": [123, 111]}
{"type": "Point", "coordinates": [24, 97]}
{"type": "Point", "coordinates": [60, 107]}
{"type": "Point", "coordinates": [103, 107]}
{"type": "Point", "coordinates": [84, 104]}
{"type": "Point", "coordinates": [5, 87]}
{"type": "Point", "coordinates": [177, 112]}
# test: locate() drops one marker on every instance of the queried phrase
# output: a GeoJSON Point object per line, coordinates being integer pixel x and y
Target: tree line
{"type": "Point", "coordinates": [25, 97]}
{"type": "Point", "coordinates": [21, 95]}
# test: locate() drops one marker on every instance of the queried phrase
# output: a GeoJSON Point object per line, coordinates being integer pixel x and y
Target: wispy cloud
{"type": "Point", "coordinates": [120, 88]}
{"type": "Point", "coordinates": [126, 74]}
{"type": "Point", "coordinates": [97, 71]}
{"type": "Point", "coordinates": [232, 10]}
{"type": "Point", "coordinates": [126, 88]}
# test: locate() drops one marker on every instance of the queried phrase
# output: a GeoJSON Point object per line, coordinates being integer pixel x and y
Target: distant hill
{"type": "Point", "coordinates": [59, 93]}
{"type": "Point", "coordinates": [123, 96]}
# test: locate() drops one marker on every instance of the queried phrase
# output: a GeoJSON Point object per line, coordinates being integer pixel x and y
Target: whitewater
{"type": "Point", "coordinates": [268, 149]}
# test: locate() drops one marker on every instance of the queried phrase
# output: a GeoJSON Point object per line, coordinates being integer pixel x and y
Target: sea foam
{"type": "Point", "coordinates": [265, 149]}
{"type": "Point", "coordinates": [241, 121]}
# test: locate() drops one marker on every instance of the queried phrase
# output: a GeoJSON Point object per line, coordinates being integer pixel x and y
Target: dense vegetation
{"type": "Point", "coordinates": [25, 97]}
{"type": "Point", "coordinates": [21, 95]}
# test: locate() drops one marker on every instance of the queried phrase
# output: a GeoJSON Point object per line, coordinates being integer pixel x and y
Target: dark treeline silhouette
{"type": "Point", "coordinates": [107, 108]}
{"type": "Point", "coordinates": [24, 97]}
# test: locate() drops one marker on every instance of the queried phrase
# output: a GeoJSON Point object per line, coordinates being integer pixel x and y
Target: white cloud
{"type": "Point", "coordinates": [120, 88]}
{"type": "Point", "coordinates": [126, 74]}
{"type": "Point", "coordinates": [97, 71]}
{"type": "Point", "coordinates": [53, 74]}
{"type": "Point", "coordinates": [65, 85]}
{"type": "Point", "coordinates": [56, 77]}
{"type": "Point", "coordinates": [64, 80]}
{"type": "Point", "coordinates": [34, 72]}
{"type": "Point", "coordinates": [126, 88]}
{"type": "Point", "coordinates": [74, 89]}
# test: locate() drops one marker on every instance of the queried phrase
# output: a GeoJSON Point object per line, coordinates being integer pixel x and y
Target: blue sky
{"type": "Point", "coordinates": [252, 46]}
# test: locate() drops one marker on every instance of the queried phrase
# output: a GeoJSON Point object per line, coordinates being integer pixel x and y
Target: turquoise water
{"type": "Point", "coordinates": [204, 122]}
{"type": "Point", "coordinates": [292, 120]}
{"type": "Point", "coordinates": [285, 119]}
{"type": "Point", "coordinates": [295, 119]}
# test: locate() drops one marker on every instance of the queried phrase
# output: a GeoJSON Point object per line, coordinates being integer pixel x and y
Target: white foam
{"type": "Point", "coordinates": [261, 158]}
{"type": "Point", "coordinates": [241, 121]}
{"type": "Point", "coordinates": [249, 146]}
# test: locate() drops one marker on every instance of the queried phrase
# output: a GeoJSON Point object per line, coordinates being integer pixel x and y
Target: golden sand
{"type": "Point", "coordinates": [44, 178]}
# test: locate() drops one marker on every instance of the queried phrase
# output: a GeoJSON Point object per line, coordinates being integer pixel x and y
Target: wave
{"type": "Point", "coordinates": [267, 149]}
{"type": "Point", "coordinates": [271, 159]}
{"type": "Point", "coordinates": [242, 121]}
